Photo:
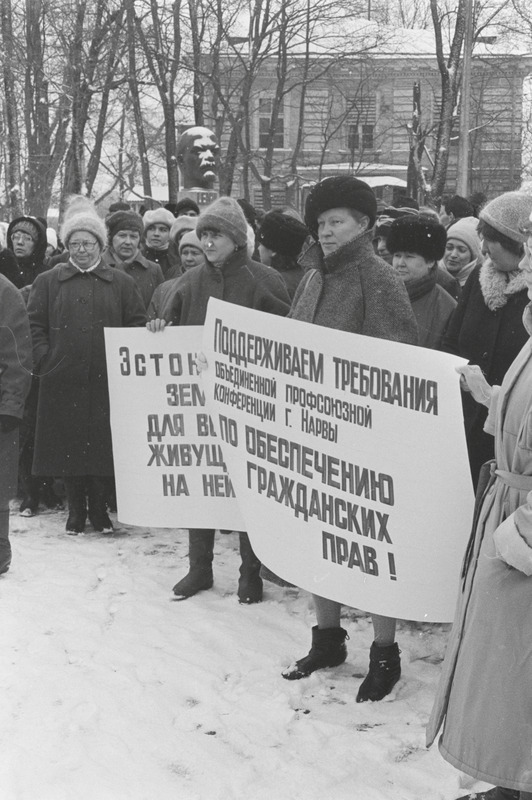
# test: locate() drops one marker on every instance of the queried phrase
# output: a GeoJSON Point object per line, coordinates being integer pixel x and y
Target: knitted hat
{"type": "Point", "coordinates": [282, 234]}
{"type": "Point", "coordinates": [422, 235]}
{"type": "Point", "coordinates": [508, 213]}
{"type": "Point", "coordinates": [124, 221]}
{"type": "Point", "coordinates": [189, 239]}
{"type": "Point", "coordinates": [465, 230]}
{"type": "Point", "coordinates": [119, 205]}
{"type": "Point", "coordinates": [158, 216]}
{"type": "Point", "coordinates": [225, 216]}
{"type": "Point", "coordinates": [341, 191]}
{"type": "Point", "coordinates": [27, 225]}
{"type": "Point", "coordinates": [186, 204]}
{"type": "Point", "coordinates": [181, 225]}
{"type": "Point", "coordinates": [80, 215]}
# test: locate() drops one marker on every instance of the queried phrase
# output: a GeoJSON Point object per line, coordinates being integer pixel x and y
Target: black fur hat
{"type": "Point", "coordinates": [422, 235]}
{"type": "Point", "coordinates": [340, 191]}
{"type": "Point", "coordinates": [282, 234]}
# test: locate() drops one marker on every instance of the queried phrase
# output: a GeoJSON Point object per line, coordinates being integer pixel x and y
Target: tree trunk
{"type": "Point", "coordinates": [15, 207]}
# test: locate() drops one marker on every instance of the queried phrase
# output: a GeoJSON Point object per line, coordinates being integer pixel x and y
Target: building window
{"type": "Point", "coordinates": [265, 124]}
{"type": "Point", "coordinates": [361, 119]}
{"type": "Point", "coordinates": [317, 119]}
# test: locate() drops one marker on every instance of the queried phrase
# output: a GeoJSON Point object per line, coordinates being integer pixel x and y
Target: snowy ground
{"type": "Point", "coordinates": [112, 691]}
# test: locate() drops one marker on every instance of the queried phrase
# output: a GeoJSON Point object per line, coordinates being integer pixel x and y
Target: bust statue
{"type": "Point", "coordinates": [198, 157]}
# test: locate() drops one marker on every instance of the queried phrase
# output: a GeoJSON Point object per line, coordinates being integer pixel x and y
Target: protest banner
{"type": "Point", "coordinates": [348, 458]}
{"type": "Point", "coordinates": [169, 467]}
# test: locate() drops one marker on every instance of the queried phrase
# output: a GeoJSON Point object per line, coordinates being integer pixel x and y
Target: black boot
{"type": "Point", "coordinates": [200, 555]}
{"type": "Point", "coordinates": [77, 504]}
{"type": "Point", "coordinates": [328, 650]}
{"type": "Point", "coordinates": [384, 672]}
{"type": "Point", "coordinates": [250, 582]}
{"type": "Point", "coordinates": [5, 547]}
{"type": "Point", "coordinates": [48, 495]}
{"type": "Point", "coordinates": [97, 492]}
{"type": "Point", "coordinates": [30, 502]}
{"type": "Point", "coordinates": [497, 793]}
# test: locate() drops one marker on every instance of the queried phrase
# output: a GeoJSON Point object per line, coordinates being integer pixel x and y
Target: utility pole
{"type": "Point", "coordinates": [462, 178]}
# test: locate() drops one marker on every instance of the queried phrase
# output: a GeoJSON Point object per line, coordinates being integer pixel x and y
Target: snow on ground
{"type": "Point", "coordinates": [112, 691]}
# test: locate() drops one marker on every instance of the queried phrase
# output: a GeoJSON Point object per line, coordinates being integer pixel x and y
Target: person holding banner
{"type": "Point", "coordinates": [348, 287]}
{"type": "Point", "coordinates": [68, 307]}
{"type": "Point", "coordinates": [231, 275]}
{"type": "Point", "coordinates": [485, 692]}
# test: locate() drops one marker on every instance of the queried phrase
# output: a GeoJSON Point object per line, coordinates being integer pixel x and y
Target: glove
{"type": "Point", "coordinates": [8, 424]}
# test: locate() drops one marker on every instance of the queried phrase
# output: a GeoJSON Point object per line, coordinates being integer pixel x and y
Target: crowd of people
{"type": "Point", "coordinates": [457, 280]}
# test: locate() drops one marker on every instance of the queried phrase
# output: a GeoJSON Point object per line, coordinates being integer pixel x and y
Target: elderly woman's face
{"type": "Point", "coordinates": [337, 226]}
{"type": "Point", "coordinates": [501, 258]}
{"type": "Point", "coordinates": [84, 249]}
{"type": "Point", "coordinates": [411, 266]}
{"type": "Point", "coordinates": [217, 246]}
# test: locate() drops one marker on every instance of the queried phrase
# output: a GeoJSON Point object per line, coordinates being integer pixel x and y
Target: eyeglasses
{"type": "Point", "coordinates": [88, 246]}
{"type": "Point", "coordinates": [21, 237]}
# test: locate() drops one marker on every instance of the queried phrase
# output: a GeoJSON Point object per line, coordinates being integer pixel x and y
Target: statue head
{"type": "Point", "coordinates": [198, 157]}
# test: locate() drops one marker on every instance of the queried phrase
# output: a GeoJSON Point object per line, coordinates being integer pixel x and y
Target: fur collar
{"type": "Point", "coordinates": [497, 286]}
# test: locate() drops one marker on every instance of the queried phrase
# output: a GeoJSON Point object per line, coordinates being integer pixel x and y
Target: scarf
{"type": "Point", "coordinates": [422, 286]}
{"type": "Point", "coordinates": [497, 286]}
{"type": "Point", "coordinates": [464, 272]}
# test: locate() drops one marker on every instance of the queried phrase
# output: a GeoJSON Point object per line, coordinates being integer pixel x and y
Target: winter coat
{"type": "Point", "coordinates": [15, 350]}
{"type": "Point", "coordinates": [15, 380]}
{"type": "Point", "coordinates": [489, 338]}
{"type": "Point", "coordinates": [146, 274]}
{"type": "Point", "coordinates": [290, 271]}
{"type": "Point", "coordinates": [354, 290]}
{"type": "Point", "coordinates": [9, 267]}
{"type": "Point", "coordinates": [485, 691]}
{"type": "Point", "coordinates": [68, 311]}
{"type": "Point", "coordinates": [447, 282]}
{"type": "Point", "coordinates": [168, 260]}
{"type": "Point", "coordinates": [158, 299]}
{"type": "Point", "coordinates": [241, 281]}
{"type": "Point", "coordinates": [432, 307]}
{"type": "Point", "coordinates": [35, 264]}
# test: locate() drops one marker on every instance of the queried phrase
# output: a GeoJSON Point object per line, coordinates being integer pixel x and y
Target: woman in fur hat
{"type": "Point", "coordinates": [348, 287]}
{"type": "Point", "coordinates": [69, 306]}
{"type": "Point", "coordinates": [486, 327]}
{"type": "Point", "coordinates": [157, 245]}
{"type": "Point", "coordinates": [280, 240]}
{"type": "Point", "coordinates": [416, 245]}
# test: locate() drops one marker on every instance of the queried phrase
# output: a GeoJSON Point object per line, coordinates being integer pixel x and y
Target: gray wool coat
{"type": "Point", "coordinates": [354, 290]}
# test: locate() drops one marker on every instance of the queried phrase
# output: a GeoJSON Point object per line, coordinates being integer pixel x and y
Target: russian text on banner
{"type": "Point", "coordinates": [348, 458]}
{"type": "Point", "coordinates": [169, 466]}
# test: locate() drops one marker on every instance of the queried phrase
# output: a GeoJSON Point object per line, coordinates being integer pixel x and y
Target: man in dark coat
{"type": "Point", "coordinates": [15, 379]}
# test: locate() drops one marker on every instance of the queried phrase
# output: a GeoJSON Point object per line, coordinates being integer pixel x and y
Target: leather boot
{"type": "Point", "coordinates": [97, 492]}
{"type": "Point", "coordinates": [328, 650]}
{"type": "Point", "coordinates": [250, 582]}
{"type": "Point", "coordinates": [384, 672]}
{"type": "Point", "coordinates": [30, 502]}
{"type": "Point", "coordinates": [77, 504]}
{"type": "Point", "coordinates": [200, 555]}
{"type": "Point", "coordinates": [5, 547]}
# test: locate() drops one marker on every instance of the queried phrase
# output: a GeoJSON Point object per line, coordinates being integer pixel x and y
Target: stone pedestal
{"type": "Point", "coordinates": [203, 197]}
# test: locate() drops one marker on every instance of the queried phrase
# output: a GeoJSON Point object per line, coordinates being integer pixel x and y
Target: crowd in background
{"type": "Point", "coordinates": [452, 279]}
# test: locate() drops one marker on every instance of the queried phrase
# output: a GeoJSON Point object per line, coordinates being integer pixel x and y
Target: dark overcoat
{"type": "Point", "coordinates": [491, 339]}
{"type": "Point", "coordinates": [68, 311]}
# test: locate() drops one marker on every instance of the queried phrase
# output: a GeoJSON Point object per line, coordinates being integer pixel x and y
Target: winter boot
{"type": "Point", "coordinates": [250, 582]}
{"type": "Point", "coordinates": [328, 650]}
{"type": "Point", "coordinates": [77, 504]}
{"type": "Point", "coordinates": [384, 672]}
{"type": "Point", "coordinates": [30, 502]}
{"type": "Point", "coordinates": [97, 492]}
{"type": "Point", "coordinates": [48, 495]}
{"type": "Point", "coordinates": [5, 547]}
{"type": "Point", "coordinates": [497, 793]}
{"type": "Point", "coordinates": [200, 555]}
